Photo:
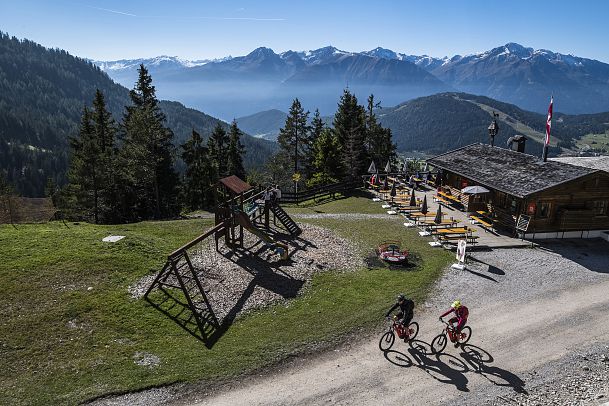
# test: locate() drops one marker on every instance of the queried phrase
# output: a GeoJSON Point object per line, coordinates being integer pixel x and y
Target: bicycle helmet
{"type": "Point", "coordinates": [401, 297]}
{"type": "Point", "coordinates": [456, 304]}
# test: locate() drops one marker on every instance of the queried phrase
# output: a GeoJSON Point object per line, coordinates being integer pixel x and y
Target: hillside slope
{"type": "Point", "coordinates": [42, 94]}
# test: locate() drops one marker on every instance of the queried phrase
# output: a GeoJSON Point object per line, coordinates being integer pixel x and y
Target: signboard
{"type": "Point", "coordinates": [523, 223]}
{"type": "Point", "coordinates": [461, 245]}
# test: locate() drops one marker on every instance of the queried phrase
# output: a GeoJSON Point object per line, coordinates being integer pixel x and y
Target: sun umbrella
{"type": "Point", "coordinates": [424, 209]}
{"type": "Point", "coordinates": [413, 199]}
{"type": "Point", "coordinates": [372, 168]}
{"type": "Point", "coordinates": [438, 218]}
{"type": "Point", "coordinates": [474, 190]}
{"type": "Point", "coordinates": [393, 191]}
{"type": "Point", "coordinates": [386, 184]}
{"type": "Point", "coordinates": [387, 167]}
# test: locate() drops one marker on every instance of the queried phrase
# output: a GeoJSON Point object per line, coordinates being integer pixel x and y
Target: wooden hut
{"type": "Point", "coordinates": [543, 199]}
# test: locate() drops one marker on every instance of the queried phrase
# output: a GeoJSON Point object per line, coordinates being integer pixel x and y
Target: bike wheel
{"type": "Point", "coordinates": [387, 341]}
{"type": "Point", "coordinates": [438, 343]}
{"type": "Point", "coordinates": [413, 330]}
{"type": "Point", "coordinates": [465, 335]}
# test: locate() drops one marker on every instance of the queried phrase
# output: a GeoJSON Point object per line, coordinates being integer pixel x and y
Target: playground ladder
{"type": "Point", "coordinates": [286, 220]}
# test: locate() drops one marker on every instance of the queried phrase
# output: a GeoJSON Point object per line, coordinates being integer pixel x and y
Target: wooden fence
{"type": "Point", "coordinates": [15, 209]}
{"type": "Point", "coordinates": [320, 191]}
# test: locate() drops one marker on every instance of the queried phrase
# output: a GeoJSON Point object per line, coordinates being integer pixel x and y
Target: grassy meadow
{"type": "Point", "coordinates": [71, 332]}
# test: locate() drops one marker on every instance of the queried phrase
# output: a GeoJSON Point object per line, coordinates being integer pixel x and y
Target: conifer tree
{"type": "Point", "coordinates": [85, 167]}
{"type": "Point", "coordinates": [218, 148]}
{"type": "Point", "coordinates": [150, 178]}
{"type": "Point", "coordinates": [350, 127]}
{"type": "Point", "coordinates": [236, 150]}
{"type": "Point", "coordinates": [294, 137]}
{"type": "Point", "coordinates": [199, 174]}
{"type": "Point", "coordinates": [379, 146]}
{"type": "Point", "coordinates": [317, 126]}
{"type": "Point", "coordinates": [104, 129]}
{"type": "Point", "coordinates": [327, 155]}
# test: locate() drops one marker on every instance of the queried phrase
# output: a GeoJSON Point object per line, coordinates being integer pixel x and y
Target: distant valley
{"type": "Point", "coordinates": [441, 122]}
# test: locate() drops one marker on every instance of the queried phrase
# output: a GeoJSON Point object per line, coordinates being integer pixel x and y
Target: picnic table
{"type": "Point", "coordinates": [449, 197]}
{"type": "Point", "coordinates": [419, 214]}
{"type": "Point", "coordinates": [444, 224]}
{"type": "Point", "coordinates": [456, 230]}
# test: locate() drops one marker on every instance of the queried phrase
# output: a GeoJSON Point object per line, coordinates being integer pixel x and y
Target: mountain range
{"type": "Point", "coordinates": [265, 80]}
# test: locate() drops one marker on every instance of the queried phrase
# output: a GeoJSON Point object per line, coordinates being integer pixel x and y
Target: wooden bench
{"type": "Point", "coordinates": [469, 238]}
{"type": "Point", "coordinates": [481, 221]}
{"type": "Point", "coordinates": [441, 199]}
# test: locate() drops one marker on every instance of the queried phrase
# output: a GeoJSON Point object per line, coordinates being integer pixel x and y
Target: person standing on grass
{"type": "Point", "coordinates": [277, 194]}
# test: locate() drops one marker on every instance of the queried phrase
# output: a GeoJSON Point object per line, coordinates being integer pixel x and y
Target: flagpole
{"type": "Point", "coordinates": [548, 129]}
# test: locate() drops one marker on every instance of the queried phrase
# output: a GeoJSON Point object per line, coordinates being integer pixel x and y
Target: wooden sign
{"type": "Point", "coordinates": [523, 223]}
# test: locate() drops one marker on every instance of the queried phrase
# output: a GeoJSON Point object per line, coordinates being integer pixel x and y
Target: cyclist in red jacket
{"type": "Point", "coordinates": [461, 313]}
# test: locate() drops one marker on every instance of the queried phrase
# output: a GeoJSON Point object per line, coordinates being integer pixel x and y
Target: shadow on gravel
{"type": "Point", "coordinates": [449, 369]}
{"type": "Point", "coordinates": [592, 254]}
{"type": "Point", "coordinates": [398, 358]}
{"type": "Point", "coordinates": [478, 359]}
{"type": "Point", "coordinates": [444, 368]}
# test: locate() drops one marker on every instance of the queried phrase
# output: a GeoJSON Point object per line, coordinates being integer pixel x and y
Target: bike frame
{"type": "Point", "coordinates": [451, 333]}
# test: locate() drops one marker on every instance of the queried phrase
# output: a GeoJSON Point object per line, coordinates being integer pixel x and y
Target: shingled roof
{"type": "Point", "coordinates": [593, 162]}
{"type": "Point", "coordinates": [235, 184]}
{"type": "Point", "coordinates": [508, 171]}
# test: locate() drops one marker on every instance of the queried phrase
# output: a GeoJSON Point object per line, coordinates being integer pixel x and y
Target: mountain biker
{"type": "Point", "coordinates": [406, 312]}
{"type": "Point", "coordinates": [461, 313]}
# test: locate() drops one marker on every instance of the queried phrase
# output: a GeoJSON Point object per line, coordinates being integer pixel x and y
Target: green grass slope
{"type": "Point", "coordinates": [71, 332]}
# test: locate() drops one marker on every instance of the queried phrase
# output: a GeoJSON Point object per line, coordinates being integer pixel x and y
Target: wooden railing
{"type": "Point", "coordinates": [320, 191]}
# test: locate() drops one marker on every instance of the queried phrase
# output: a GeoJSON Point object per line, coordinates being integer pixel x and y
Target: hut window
{"type": "Point", "coordinates": [543, 210]}
{"type": "Point", "coordinates": [600, 207]}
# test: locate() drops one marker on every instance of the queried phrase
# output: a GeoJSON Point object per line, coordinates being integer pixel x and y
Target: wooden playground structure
{"type": "Point", "coordinates": [177, 291]}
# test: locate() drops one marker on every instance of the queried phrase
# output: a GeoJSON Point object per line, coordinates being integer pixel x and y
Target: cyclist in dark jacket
{"type": "Point", "coordinates": [406, 307]}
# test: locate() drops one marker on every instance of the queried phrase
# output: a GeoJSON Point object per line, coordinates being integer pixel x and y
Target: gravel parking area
{"type": "Point", "coordinates": [509, 276]}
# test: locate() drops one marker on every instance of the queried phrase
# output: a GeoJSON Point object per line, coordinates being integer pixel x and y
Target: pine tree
{"type": "Point", "coordinates": [150, 180]}
{"type": "Point", "coordinates": [104, 129]}
{"type": "Point", "coordinates": [218, 148]}
{"type": "Point", "coordinates": [198, 177]}
{"type": "Point", "coordinates": [84, 172]}
{"type": "Point", "coordinates": [317, 126]}
{"type": "Point", "coordinates": [294, 137]}
{"type": "Point", "coordinates": [350, 127]}
{"type": "Point", "coordinates": [236, 151]}
{"type": "Point", "coordinates": [379, 146]}
{"type": "Point", "coordinates": [327, 154]}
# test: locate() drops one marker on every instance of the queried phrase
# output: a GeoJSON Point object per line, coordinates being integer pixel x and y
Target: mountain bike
{"type": "Point", "coordinates": [395, 327]}
{"type": "Point", "coordinates": [448, 333]}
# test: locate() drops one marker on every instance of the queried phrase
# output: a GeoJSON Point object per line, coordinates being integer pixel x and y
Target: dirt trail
{"type": "Point", "coordinates": [511, 338]}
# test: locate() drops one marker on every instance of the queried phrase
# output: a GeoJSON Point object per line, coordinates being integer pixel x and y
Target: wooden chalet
{"type": "Point", "coordinates": [550, 199]}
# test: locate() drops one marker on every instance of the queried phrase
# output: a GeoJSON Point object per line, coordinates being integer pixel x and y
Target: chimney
{"type": "Point", "coordinates": [517, 142]}
{"type": "Point", "coordinates": [493, 128]}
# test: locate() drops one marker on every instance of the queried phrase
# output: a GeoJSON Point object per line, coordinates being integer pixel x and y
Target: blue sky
{"type": "Point", "coordinates": [111, 29]}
